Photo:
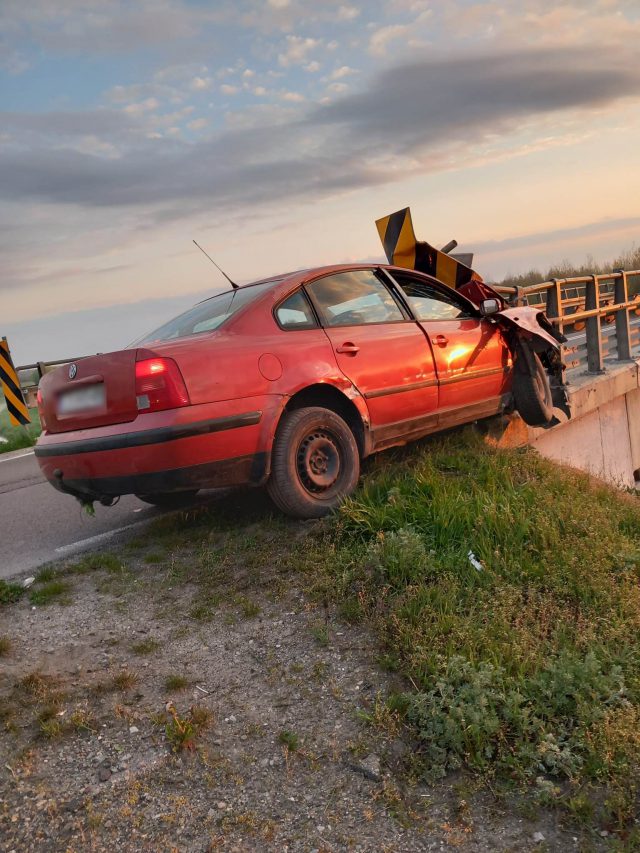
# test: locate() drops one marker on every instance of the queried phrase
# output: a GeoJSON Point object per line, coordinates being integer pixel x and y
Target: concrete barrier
{"type": "Point", "coordinates": [603, 435]}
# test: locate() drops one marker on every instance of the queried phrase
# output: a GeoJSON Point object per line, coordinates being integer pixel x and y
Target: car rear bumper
{"type": "Point", "coordinates": [194, 447]}
{"type": "Point", "coordinates": [208, 475]}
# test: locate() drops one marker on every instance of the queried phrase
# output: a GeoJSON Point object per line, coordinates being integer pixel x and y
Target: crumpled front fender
{"type": "Point", "coordinates": [532, 324]}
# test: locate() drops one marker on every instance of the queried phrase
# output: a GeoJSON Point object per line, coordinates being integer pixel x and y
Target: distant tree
{"type": "Point", "coordinates": [629, 260]}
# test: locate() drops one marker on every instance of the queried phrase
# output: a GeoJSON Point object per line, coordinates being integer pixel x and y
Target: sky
{"type": "Point", "coordinates": [275, 132]}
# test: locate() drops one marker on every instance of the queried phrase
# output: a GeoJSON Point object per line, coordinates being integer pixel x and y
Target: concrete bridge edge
{"type": "Point", "coordinates": [603, 435]}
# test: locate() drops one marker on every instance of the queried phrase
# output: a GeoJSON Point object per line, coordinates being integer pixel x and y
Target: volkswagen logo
{"type": "Point", "coordinates": [73, 369]}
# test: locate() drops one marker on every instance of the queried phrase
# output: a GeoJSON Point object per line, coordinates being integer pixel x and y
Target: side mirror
{"type": "Point", "coordinates": [489, 307]}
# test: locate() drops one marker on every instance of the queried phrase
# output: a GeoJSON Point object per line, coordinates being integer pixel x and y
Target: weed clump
{"type": "Point", "coordinates": [289, 740]}
{"type": "Point", "coordinates": [10, 592]}
{"type": "Point", "coordinates": [96, 561]}
{"type": "Point", "coordinates": [183, 731]}
{"type": "Point", "coordinates": [145, 647]}
{"type": "Point", "coordinates": [124, 680]}
{"type": "Point", "coordinates": [53, 590]}
{"type": "Point", "coordinates": [176, 682]}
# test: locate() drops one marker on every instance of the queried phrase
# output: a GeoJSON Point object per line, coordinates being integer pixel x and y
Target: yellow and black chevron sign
{"type": "Point", "coordinates": [403, 250]}
{"type": "Point", "coordinates": [16, 406]}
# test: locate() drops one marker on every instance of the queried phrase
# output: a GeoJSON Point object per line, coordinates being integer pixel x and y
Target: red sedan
{"type": "Point", "coordinates": [290, 382]}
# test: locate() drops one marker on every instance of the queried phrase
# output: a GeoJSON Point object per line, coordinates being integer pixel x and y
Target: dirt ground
{"type": "Point", "coordinates": [139, 713]}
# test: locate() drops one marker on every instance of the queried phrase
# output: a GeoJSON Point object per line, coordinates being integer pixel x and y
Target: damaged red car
{"type": "Point", "coordinates": [290, 383]}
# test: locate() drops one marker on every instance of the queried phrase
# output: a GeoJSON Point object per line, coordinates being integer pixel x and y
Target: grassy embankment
{"type": "Point", "coordinates": [526, 671]}
{"type": "Point", "coordinates": [18, 437]}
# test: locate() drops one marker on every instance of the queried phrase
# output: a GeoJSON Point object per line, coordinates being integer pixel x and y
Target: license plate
{"type": "Point", "coordinates": [82, 400]}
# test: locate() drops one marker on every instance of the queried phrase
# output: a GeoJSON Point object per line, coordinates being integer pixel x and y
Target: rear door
{"type": "Point", "coordinates": [376, 345]}
{"type": "Point", "coordinates": [471, 354]}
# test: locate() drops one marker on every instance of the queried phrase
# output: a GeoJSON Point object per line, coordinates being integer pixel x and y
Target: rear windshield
{"type": "Point", "coordinates": [206, 316]}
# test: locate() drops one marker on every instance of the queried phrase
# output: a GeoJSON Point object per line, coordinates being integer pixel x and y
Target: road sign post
{"type": "Point", "coordinates": [16, 405]}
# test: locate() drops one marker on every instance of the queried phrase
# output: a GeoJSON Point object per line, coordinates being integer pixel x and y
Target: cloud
{"type": "Point", "coordinates": [200, 84]}
{"type": "Point", "coordinates": [145, 106]}
{"type": "Point", "coordinates": [397, 125]}
{"type": "Point", "coordinates": [382, 37]}
{"type": "Point", "coordinates": [297, 49]}
{"type": "Point", "coordinates": [340, 73]}
{"type": "Point", "coordinates": [81, 27]}
{"type": "Point", "coordinates": [557, 235]}
{"type": "Point", "coordinates": [198, 124]}
{"type": "Point", "coordinates": [422, 102]}
{"type": "Point", "coordinates": [347, 13]}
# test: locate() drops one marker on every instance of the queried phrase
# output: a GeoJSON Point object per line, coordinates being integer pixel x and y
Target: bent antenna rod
{"type": "Point", "coordinates": [232, 283]}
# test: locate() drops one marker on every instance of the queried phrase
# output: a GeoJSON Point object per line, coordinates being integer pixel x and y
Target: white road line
{"type": "Point", "coordinates": [12, 458]}
{"type": "Point", "coordinates": [100, 537]}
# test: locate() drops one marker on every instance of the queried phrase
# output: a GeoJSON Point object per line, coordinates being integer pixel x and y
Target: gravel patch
{"type": "Point", "coordinates": [281, 757]}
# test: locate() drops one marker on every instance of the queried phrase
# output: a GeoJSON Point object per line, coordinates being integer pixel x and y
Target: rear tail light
{"type": "Point", "coordinates": [159, 385]}
{"type": "Point", "coordinates": [40, 403]}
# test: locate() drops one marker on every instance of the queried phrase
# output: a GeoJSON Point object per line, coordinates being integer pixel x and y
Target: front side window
{"type": "Point", "coordinates": [295, 313]}
{"type": "Point", "coordinates": [354, 298]}
{"type": "Point", "coordinates": [428, 303]}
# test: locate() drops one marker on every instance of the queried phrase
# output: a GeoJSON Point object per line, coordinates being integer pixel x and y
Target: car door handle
{"type": "Point", "coordinates": [440, 340]}
{"type": "Point", "coordinates": [348, 349]}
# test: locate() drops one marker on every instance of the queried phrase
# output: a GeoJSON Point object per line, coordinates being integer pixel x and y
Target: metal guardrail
{"type": "Point", "coordinates": [601, 304]}
{"type": "Point", "coordinates": [30, 374]}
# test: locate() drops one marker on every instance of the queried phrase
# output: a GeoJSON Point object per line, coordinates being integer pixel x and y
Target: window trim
{"type": "Point", "coordinates": [473, 313]}
{"type": "Point", "coordinates": [406, 316]}
{"type": "Point", "coordinates": [314, 313]}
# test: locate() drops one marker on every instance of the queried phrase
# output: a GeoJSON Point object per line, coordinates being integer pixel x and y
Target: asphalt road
{"type": "Point", "coordinates": [39, 524]}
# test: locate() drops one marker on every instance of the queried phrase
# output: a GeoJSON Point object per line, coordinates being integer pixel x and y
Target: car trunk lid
{"type": "Point", "coordinates": [95, 391]}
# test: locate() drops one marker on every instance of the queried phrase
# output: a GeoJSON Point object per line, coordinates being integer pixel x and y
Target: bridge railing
{"type": "Point", "coordinates": [599, 314]}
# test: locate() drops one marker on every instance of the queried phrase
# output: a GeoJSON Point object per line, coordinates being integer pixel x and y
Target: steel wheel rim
{"type": "Point", "coordinates": [319, 461]}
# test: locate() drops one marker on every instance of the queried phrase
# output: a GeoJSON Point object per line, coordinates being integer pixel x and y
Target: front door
{"type": "Point", "coordinates": [472, 357]}
{"type": "Point", "coordinates": [377, 346]}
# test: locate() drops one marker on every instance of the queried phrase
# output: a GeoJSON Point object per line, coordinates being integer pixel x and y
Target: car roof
{"type": "Point", "coordinates": [284, 282]}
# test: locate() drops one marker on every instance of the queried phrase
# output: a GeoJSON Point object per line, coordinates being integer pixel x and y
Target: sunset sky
{"type": "Point", "coordinates": [276, 132]}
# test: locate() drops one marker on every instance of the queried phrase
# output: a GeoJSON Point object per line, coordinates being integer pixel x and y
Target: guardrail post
{"type": "Point", "coordinates": [554, 301]}
{"type": "Point", "coordinates": [623, 329]}
{"type": "Point", "coordinates": [594, 329]}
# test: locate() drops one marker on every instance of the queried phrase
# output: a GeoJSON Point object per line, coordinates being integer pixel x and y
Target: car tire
{"type": "Point", "coordinates": [315, 463]}
{"type": "Point", "coordinates": [532, 394]}
{"type": "Point", "coordinates": [169, 500]}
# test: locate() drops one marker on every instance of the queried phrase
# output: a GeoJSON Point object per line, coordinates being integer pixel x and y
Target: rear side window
{"type": "Point", "coordinates": [295, 313]}
{"type": "Point", "coordinates": [428, 303]}
{"type": "Point", "coordinates": [354, 298]}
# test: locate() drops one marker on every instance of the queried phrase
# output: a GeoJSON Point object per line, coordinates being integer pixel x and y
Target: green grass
{"type": "Point", "coordinates": [530, 667]}
{"type": "Point", "coordinates": [176, 682]}
{"type": "Point", "coordinates": [290, 740]}
{"type": "Point", "coordinates": [52, 590]}
{"type": "Point", "coordinates": [182, 731]}
{"type": "Point", "coordinates": [18, 437]}
{"type": "Point", "coordinates": [10, 592]}
{"type": "Point", "coordinates": [96, 561]}
{"type": "Point", "coordinates": [145, 647]}
{"type": "Point", "coordinates": [124, 680]}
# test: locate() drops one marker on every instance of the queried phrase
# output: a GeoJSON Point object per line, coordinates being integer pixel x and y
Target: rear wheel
{"type": "Point", "coordinates": [532, 394]}
{"type": "Point", "coordinates": [314, 463]}
{"type": "Point", "coordinates": [169, 500]}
